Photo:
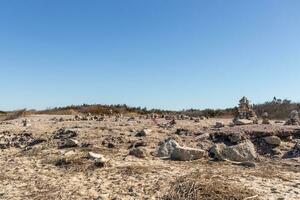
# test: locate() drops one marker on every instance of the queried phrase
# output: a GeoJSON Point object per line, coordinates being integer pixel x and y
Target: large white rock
{"type": "Point", "coordinates": [187, 154]}
{"type": "Point", "coordinates": [99, 159]}
{"type": "Point", "coordinates": [242, 152]}
{"type": "Point", "coordinates": [166, 148]}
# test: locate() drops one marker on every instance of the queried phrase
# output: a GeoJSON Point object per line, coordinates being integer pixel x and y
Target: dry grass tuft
{"type": "Point", "coordinates": [198, 186]}
{"type": "Point", "coordinates": [133, 170]}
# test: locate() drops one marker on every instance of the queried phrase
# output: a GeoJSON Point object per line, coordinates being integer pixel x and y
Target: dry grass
{"type": "Point", "coordinates": [13, 115]}
{"type": "Point", "coordinates": [199, 186]}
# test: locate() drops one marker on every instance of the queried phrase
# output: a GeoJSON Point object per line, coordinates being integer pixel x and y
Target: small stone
{"type": "Point", "coordinates": [138, 152]}
{"type": "Point", "coordinates": [99, 159]}
{"type": "Point", "coordinates": [143, 133]}
{"type": "Point", "coordinates": [219, 125]}
{"type": "Point", "coordinates": [241, 122]}
{"type": "Point", "coordinates": [235, 138]}
{"type": "Point", "coordinates": [69, 143]}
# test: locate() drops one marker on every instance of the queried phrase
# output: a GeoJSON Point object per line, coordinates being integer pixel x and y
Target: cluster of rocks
{"type": "Point", "coordinates": [89, 117]}
{"type": "Point", "coordinates": [245, 113]}
{"type": "Point", "coordinates": [21, 140]}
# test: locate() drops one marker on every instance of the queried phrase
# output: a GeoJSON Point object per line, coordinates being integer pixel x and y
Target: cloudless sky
{"type": "Point", "coordinates": [170, 54]}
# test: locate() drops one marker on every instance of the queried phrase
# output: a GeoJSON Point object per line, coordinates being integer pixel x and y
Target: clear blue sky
{"type": "Point", "coordinates": [170, 54]}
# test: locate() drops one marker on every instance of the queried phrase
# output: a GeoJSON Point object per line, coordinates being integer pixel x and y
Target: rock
{"type": "Point", "coordinates": [137, 144]}
{"type": "Point", "coordinates": [26, 122]}
{"type": "Point", "coordinates": [166, 148]}
{"type": "Point", "coordinates": [187, 154]}
{"type": "Point", "coordinates": [266, 121]}
{"type": "Point", "coordinates": [242, 152]}
{"type": "Point", "coordinates": [99, 160]}
{"type": "Point", "coordinates": [36, 141]}
{"type": "Point", "coordinates": [273, 140]}
{"type": "Point", "coordinates": [219, 125]}
{"type": "Point", "coordinates": [293, 118]}
{"type": "Point", "coordinates": [235, 138]}
{"type": "Point", "coordinates": [95, 156]}
{"type": "Point", "coordinates": [265, 117]}
{"type": "Point", "coordinates": [64, 134]}
{"type": "Point", "coordinates": [241, 122]}
{"type": "Point", "coordinates": [138, 152]}
{"type": "Point", "coordinates": [69, 143]}
{"type": "Point", "coordinates": [246, 164]}
{"type": "Point", "coordinates": [143, 133]}
{"type": "Point", "coordinates": [182, 131]}
{"type": "Point", "coordinates": [204, 136]}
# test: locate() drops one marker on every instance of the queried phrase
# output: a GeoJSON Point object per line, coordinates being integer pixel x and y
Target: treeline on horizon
{"type": "Point", "coordinates": [277, 109]}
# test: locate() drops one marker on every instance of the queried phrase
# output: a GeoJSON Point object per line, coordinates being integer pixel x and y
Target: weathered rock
{"type": "Point", "coordinates": [137, 144]}
{"type": "Point", "coordinates": [182, 131]}
{"type": "Point", "coordinates": [235, 137]}
{"type": "Point", "coordinates": [202, 137]}
{"type": "Point", "coordinates": [219, 125]}
{"type": "Point", "coordinates": [241, 122]}
{"type": "Point", "coordinates": [246, 164]}
{"type": "Point", "coordinates": [138, 152]}
{"type": "Point", "coordinates": [26, 122]}
{"type": "Point", "coordinates": [187, 154]}
{"type": "Point", "coordinates": [143, 133]}
{"type": "Point", "coordinates": [273, 140]}
{"type": "Point", "coordinates": [68, 143]}
{"type": "Point", "coordinates": [166, 148]}
{"type": "Point", "coordinates": [64, 134]}
{"type": "Point", "coordinates": [242, 152]}
{"type": "Point", "coordinates": [36, 141]}
{"type": "Point", "coordinates": [95, 156]}
{"type": "Point", "coordinates": [293, 118]}
{"type": "Point", "coordinates": [265, 118]}
{"type": "Point", "coordinates": [99, 160]}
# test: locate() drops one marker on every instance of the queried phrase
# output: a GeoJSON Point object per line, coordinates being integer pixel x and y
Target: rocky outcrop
{"type": "Point", "coordinates": [242, 152]}
{"type": "Point", "coordinates": [171, 149]}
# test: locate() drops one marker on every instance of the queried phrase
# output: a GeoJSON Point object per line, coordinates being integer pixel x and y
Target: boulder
{"type": "Point", "coordinates": [273, 140]}
{"type": "Point", "coordinates": [242, 152]}
{"type": "Point", "coordinates": [166, 148]}
{"type": "Point", "coordinates": [187, 154]}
